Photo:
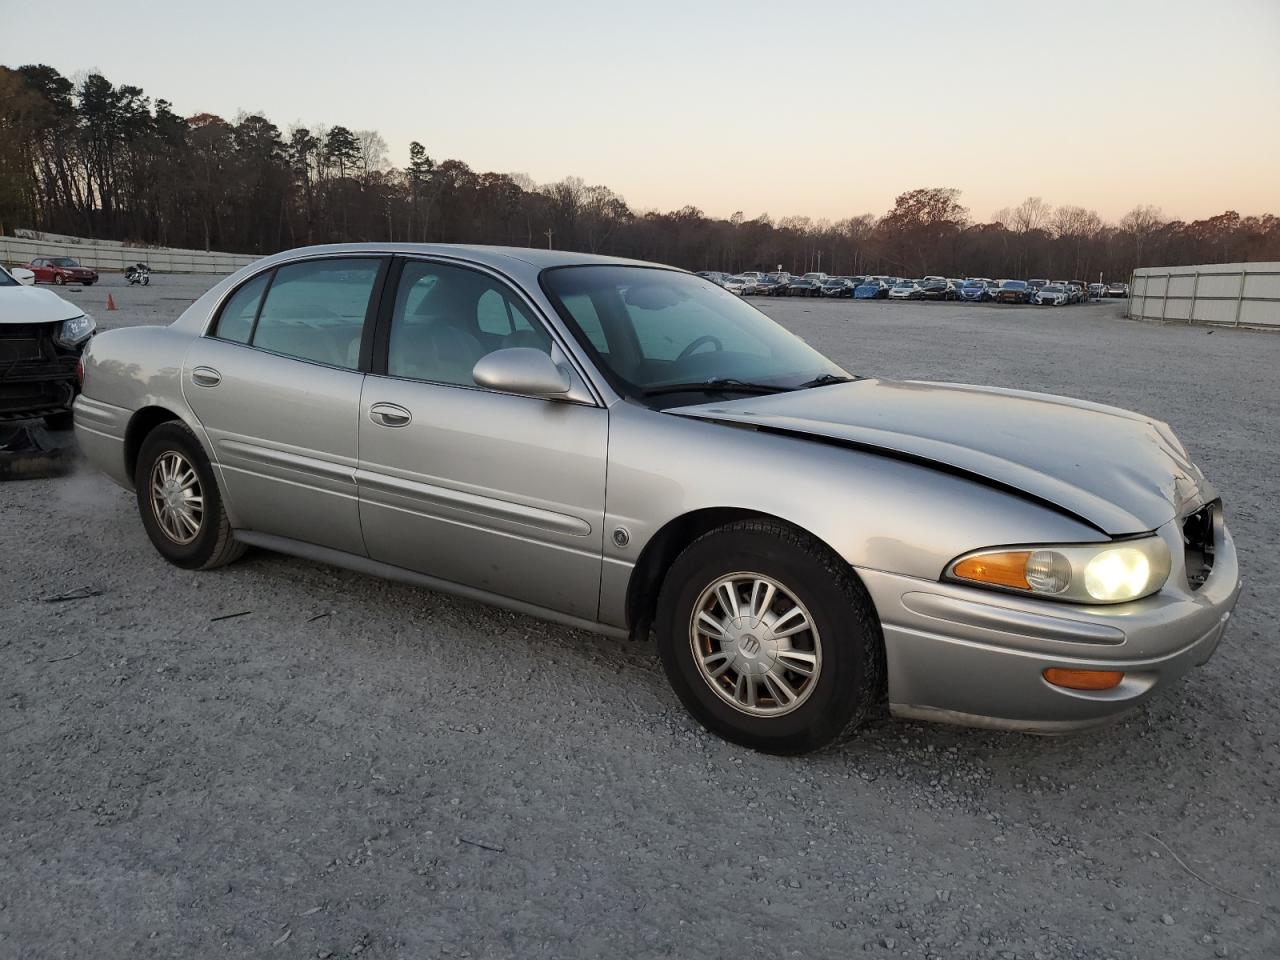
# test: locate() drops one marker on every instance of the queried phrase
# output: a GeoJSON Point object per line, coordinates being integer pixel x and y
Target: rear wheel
{"type": "Point", "coordinates": [179, 501]}
{"type": "Point", "coordinates": [769, 639]}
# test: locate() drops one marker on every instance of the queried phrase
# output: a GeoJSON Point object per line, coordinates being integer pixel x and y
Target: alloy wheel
{"type": "Point", "coordinates": [177, 499]}
{"type": "Point", "coordinates": [755, 644]}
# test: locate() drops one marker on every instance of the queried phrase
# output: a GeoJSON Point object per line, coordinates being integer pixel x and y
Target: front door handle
{"type": "Point", "coordinates": [390, 415]}
{"type": "Point", "coordinates": [205, 377]}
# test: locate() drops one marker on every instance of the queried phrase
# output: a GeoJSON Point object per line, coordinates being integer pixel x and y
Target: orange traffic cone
{"type": "Point", "coordinates": [111, 304]}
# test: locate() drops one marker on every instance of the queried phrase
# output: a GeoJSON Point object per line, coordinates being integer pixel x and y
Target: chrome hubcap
{"type": "Point", "coordinates": [177, 499]}
{"type": "Point", "coordinates": [755, 644]}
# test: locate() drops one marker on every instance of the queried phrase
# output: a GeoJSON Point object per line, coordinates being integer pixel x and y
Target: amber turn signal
{"type": "Point", "coordinates": [997, 569]}
{"type": "Point", "coordinates": [1083, 679]}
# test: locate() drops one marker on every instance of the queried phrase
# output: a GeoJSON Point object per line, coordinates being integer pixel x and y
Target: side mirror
{"type": "Point", "coordinates": [521, 370]}
{"type": "Point", "coordinates": [23, 276]}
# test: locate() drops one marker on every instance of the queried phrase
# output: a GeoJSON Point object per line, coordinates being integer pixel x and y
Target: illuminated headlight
{"type": "Point", "coordinates": [75, 331]}
{"type": "Point", "coordinates": [1081, 573]}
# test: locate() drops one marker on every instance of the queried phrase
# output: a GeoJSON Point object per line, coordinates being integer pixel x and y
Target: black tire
{"type": "Point", "coordinates": [59, 421]}
{"type": "Point", "coordinates": [213, 545]}
{"type": "Point", "coordinates": [851, 680]}
{"type": "Point", "coordinates": [59, 279]}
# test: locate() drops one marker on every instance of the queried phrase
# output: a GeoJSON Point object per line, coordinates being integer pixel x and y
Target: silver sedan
{"type": "Point", "coordinates": [633, 450]}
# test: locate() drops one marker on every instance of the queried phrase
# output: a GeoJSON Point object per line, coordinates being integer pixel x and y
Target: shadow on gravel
{"type": "Point", "coordinates": [28, 452]}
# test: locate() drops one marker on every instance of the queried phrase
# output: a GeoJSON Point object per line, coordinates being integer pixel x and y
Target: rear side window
{"type": "Point", "coordinates": [316, 311]}
{"type": "Point", "coordinates": [236, 320]}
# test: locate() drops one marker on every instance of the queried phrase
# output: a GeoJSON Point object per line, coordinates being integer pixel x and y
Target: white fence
{"type": "Point", "coordinates": [1235, 294]}
{"type": "Point", "coordinates": [105, 255]}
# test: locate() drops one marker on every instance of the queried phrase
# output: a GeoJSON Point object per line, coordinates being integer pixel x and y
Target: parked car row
{"type": "Point", "coordinates": [972, 289]}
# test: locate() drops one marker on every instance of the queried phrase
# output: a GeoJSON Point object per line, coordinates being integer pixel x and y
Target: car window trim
{"type": "Point", "coordinates": [382, 326]}
{"type": "Point", "coordinates": [257, 313]}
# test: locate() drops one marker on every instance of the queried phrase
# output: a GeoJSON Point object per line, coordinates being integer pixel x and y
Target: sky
{"type": "Point", "coordinates": [829, 108]}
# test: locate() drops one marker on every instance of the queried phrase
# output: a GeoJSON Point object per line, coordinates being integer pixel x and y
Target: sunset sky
{"type": "Point", "coordinates": [821, 109]}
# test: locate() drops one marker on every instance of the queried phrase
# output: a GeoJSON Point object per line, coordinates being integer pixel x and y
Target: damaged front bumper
{"type": "Point", "coordinates": [964, 655]}
{"type": "Point", "coordinates": [38, 376]}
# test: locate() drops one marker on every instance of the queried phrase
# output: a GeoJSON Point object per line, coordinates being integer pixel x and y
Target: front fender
{"type": "Point", "coordinates": [873, 510]}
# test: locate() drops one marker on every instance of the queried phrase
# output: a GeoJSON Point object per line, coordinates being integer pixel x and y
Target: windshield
{"type": "Point", "coordinates": [1014, 285]}
{"type": "Point", "coordinates": [904, 285]}
{"type": "Point", "coordinates": [651, 328]}
{"type": "Point", "coordinates": [1052, 288]}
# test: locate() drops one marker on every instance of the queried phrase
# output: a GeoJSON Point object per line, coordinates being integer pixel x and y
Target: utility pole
{"type": "Point", "coordinates": [548, 238]}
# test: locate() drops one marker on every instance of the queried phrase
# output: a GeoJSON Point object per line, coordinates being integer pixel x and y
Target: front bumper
{"type": "Point", "coordinates": [37, 375]}
{"type": "Point", "coordinates": [975, 657]}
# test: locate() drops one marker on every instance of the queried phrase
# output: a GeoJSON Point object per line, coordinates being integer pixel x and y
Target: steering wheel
{"type": "Point", "coordinates": [706, 338]}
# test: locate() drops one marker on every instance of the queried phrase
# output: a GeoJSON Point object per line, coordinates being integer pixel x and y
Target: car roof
{"type": "Point", "coordinates": [491, 256]}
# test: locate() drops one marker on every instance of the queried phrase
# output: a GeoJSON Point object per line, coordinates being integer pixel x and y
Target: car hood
{"type": "Point", "coordinates": [1122, 472]}
{"type": "Point", "coordinates": [33, 305]}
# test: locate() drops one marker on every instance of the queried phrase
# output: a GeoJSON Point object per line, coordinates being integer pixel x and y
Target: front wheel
{"type": "Point", "coordinates": [59, 279]}
{"type": "Point", "coordinates": [769, 639]}
{"type": "Point", "coordinates": [179, 500]}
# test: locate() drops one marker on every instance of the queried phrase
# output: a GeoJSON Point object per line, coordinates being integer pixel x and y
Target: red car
{"type": "Point", "coordinates": [61, 270]}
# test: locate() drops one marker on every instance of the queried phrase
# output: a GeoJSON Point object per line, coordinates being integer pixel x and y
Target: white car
{"type": "Point", "coordinates": [742, 286]}
{"type": "Point", "coordinates": [1053, 294]}
{"type": "Point", "coordinates": [906, 290]}
{"type": "Point", "coordinates": [41, 339]}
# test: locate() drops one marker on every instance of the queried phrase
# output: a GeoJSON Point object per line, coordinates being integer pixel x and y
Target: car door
{"type": "Point", "coordinates": [276, 385]}
{"type": "Point", "coordinates": [494, 491]}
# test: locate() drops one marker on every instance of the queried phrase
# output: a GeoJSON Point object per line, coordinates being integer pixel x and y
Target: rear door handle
{"type": "Point", "coordinates": [390, 415]}
{"type": "Point", "coordinates": [205, 377]}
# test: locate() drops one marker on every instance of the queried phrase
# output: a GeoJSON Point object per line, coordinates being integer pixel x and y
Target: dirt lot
{"type": "Point", "coordinates": [358, 767]}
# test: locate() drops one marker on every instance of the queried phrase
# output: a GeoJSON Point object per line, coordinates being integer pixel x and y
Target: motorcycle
{"type": "Point", "coordinates": [138, 273]}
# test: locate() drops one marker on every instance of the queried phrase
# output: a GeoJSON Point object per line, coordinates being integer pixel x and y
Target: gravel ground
{"type": "Point", "coordinates": [411, 775]}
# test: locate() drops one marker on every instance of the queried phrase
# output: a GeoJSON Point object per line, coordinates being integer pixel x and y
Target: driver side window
{"type": "Point", "coordinates": [446, 318]}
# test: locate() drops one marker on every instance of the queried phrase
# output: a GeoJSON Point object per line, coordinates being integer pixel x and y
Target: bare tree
{"type": "Point", "coordinates": [373, 153]}
{"type": "Point", "coordinates": [1031, 214]}
{"type": "Point", "coordinates": [1141, 223]}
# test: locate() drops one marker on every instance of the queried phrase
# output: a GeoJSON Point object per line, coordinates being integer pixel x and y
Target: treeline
{"type": "Point", "coordinates": [98, 160]}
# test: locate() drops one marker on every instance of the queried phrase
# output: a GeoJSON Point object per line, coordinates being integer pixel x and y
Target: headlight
{"type": "Point", "coordinates": [1082, 573]}
{"type": "Point", "coordinates": [75, 331]}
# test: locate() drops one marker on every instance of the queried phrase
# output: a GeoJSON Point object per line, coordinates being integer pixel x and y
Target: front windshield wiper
{"type": "Point", "coordinates": [714, 385]}
{"type": "Point", "coordinates": [823, 380]}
